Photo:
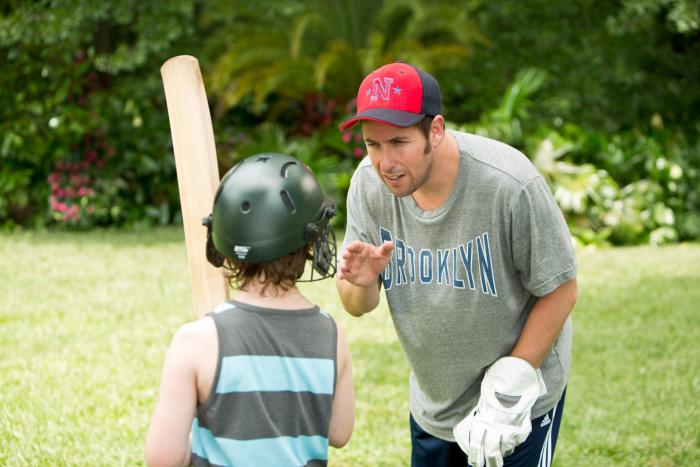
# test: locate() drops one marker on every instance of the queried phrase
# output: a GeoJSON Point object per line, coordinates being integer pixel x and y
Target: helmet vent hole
{"type": "Point", "coordinates": [286, 166]}
{"type": "Point", "coordinates": [245, 207]}
{"type": "Point", "coordinates": [287, 200]}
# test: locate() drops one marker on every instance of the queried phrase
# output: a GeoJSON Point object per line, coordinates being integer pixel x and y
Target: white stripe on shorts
{"type": "Point", "coordinates": [546, 453]}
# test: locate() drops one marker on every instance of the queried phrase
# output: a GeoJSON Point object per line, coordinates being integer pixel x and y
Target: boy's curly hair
{"type": "Point", "coordinates": [283, 272]}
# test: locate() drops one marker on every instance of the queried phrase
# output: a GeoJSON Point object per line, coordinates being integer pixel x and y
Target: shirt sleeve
{"type": "Point", "coordinates": [354, 226]}
{"type": "Point", "coordinates": [541, 243]}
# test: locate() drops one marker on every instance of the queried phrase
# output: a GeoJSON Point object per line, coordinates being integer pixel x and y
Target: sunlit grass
{"type": "Point", "coordinates": [636, 376]}
{"type": "Point", "coordinates": [85, 319]}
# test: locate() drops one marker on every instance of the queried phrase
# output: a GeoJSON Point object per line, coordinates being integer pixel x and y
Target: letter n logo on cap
{"type": "Point", "coordinates": [379, 89]}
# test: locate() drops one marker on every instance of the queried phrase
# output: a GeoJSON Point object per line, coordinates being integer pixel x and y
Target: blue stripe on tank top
{"type": "Point", "coordinates": [262, 452]}
{"type": "Point", "coordinates": [244, 373]}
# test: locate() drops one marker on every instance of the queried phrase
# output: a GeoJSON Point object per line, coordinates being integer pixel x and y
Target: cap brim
{"type": "Point", "coordinates": [391, 117]}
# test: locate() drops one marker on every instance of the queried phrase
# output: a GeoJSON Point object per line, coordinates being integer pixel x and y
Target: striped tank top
{"type": "Point", "coordinates": [271, 398]}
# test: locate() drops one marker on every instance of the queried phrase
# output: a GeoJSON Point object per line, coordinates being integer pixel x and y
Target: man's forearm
{"type": "Point", "coordinates": [544, 323]}
{"type": "Point", "coordinates": [358, 300]}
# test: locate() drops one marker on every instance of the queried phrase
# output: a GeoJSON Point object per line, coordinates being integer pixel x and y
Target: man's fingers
{"type": "Point", "coordinates": [346, 255]}
{"type": "Point", "coordinates": [386, 248]}
{"type": "Point", "coordinates": [492, 449]}
{"type": "Point", "coordinates": [476, 445]}
{"type": "Point", "coordinates": [360, 262]}
{"type": "Point", "coordinates": [461, 432]}
{"type": "Point", "coordinates": [355, 247]}
{"type": "Point", "coordinates": [344, 268]}
{"type": "Point", "coordinates": [341, 274]}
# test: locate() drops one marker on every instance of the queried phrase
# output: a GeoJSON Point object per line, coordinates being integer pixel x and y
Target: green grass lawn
{"type": "Point", "coordinates": [85, 319]}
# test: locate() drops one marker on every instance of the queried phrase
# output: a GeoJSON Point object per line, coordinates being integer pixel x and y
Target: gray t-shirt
{"type": "Point", "coordinates": [463, 278]}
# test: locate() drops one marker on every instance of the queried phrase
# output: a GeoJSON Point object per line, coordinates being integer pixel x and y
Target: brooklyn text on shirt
{"type": "Point", "coordinates": [459, 266]}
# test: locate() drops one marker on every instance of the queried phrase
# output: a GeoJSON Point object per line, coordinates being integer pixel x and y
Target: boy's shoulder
{"type": "Point", "coordinates": [195, 332]}
{"type": "Point", "coordinates": [194, 348]}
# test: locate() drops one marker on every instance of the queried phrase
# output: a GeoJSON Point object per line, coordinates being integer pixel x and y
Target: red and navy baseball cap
{"type": "Point", "coordinates": [397, 94]}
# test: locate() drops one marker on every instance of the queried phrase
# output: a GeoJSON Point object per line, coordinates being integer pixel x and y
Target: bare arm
{"type": "Point", "coordinates": [358, 275]}
{"type": "Point", "coordinates": [167, 439]}
{"type": "Point", "coordinates": [545, 322]}
{"type": "Point", "coordinates": [343, 412]}
{"type": "Point", "coordinates": [357, 300]}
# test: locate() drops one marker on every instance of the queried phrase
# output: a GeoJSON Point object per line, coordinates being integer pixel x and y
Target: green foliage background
{"type": "Point", "coordinates": [602, 95]}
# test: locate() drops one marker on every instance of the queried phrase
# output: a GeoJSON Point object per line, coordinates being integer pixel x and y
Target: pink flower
{"type": "Point", "coordinates": [346, 137]}
{"type": "Point", "coordinates": [85, 191]}
{"type": "Point", "coordinates": [358, 152]}
{"type": "Point", "coordinates": [70, 213]}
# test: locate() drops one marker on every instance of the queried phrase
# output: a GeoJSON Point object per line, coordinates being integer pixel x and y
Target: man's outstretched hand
{"type": "Point", "coordinates": [361, 263]}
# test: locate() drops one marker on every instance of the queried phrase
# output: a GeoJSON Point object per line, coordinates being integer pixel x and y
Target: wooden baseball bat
{"type": "Point", "coordinates": [197, 173]}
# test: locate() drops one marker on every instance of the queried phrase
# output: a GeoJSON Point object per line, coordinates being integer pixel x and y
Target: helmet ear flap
{"type": "Point", "coordinates": [324, 253]}
{"type": "Point", "coordinates": [323, 245]}
{"type": "Point", "coordinates": [213, 255]}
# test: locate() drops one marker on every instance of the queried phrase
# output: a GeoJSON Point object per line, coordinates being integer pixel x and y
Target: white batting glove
{"type": "Point", "coordinates": [501, 419]}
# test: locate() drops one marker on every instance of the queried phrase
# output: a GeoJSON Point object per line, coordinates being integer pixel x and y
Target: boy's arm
{"type": "Point", "coordinates": [343, 412]}
{"type": "Point", "coordinates": [167, 439]}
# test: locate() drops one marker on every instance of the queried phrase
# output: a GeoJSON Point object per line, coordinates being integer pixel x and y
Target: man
{"type": "Point", "coordinates": [477, 265]}
{"type": "Point", "coordinates": [266, 378]}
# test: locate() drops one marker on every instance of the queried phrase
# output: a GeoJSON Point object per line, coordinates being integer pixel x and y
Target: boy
{"type": "Point", "coordinates": [265, 378]}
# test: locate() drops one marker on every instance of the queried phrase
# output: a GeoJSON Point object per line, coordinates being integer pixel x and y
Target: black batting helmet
{"type": "Point", "coordinates": [268, 206]}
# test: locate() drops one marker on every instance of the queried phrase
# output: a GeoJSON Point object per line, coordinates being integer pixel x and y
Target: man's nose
{"type": "Point", "coordinates": [388, 158]}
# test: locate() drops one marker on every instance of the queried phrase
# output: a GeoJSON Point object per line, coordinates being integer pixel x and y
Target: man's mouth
{"type": "Point", "coordinates": [393, 179]}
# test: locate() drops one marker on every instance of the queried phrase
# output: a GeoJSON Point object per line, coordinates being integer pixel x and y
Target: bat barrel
{"type": "Point", "coordinates": [197, 172]}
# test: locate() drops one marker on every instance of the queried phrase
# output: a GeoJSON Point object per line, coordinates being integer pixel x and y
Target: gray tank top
{"type": "Point", "coordinates": [272, 393]}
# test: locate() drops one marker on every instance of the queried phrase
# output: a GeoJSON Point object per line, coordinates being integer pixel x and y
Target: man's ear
{"type": "Point", "coordinates": [437, 130]}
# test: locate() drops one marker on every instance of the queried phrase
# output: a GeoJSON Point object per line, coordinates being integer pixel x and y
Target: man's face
{"type": "Point", "coordinates": [400, 156]}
